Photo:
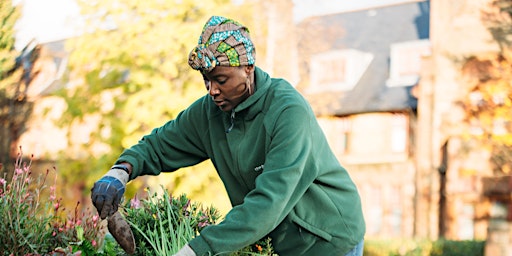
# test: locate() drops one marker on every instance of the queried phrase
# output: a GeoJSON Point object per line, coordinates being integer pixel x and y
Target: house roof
{"type": "Point", "coordinates": [47, 68]}
{"type": "Point", "coordinates": [373, 31]}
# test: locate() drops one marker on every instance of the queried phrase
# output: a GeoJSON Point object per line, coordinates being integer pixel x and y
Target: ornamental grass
{"type": "Point", "coordinates": [163, 224]}
{"type": "Point", "coordinates": [33, 221]}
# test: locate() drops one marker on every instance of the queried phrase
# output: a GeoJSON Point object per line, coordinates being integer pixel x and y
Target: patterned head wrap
{"type": "Point", "coordinates": [223, 42]}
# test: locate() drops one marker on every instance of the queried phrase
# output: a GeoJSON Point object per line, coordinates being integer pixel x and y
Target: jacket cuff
{"type": "Point", "coordinates": [200, 246]}
{"type": "Point", "coordinates": [133, 162]}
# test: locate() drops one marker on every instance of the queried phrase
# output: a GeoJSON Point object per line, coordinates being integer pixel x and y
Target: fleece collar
{"type": "Point", "coordinates": [253, 103]}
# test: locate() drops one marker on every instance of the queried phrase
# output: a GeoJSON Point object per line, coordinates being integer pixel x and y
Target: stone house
{"type": "Point", "coordinates": [363, 89]}
{"type": "Point", "coordinates": [44, 138]}
{"type": "Point", "coordinates": [463, 211]}
{"type": "Point", "coordinates": [386, 91]}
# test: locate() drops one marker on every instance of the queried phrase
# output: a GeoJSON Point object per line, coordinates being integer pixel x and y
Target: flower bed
{"type": "Point", "coordinates": [33, 222]}
{"type": "Point", "coordinates": [163, 224]}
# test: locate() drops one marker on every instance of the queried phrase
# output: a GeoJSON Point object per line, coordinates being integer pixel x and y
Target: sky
{"type": "Point", "coordinates": [45, 21]}
{"type": "Point", "coordinates": [51, 20]}
{"type": "Point", "coordinates": [307, 8]}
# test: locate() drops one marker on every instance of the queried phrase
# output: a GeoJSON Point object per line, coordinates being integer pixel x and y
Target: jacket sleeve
{"type": "Point", "coordinates": [174, 145]}
{"type": "Point", "coordinates": [278, 188]}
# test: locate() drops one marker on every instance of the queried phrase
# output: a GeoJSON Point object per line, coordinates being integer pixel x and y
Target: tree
{"type": "Point", "coordinates": [128, 73]}
{"type": "Point", "coordinates": [497, 16]}
{"type": "Point", "coordinates": [489, 104]}
{"type": "Point", "coordinates": [15, 76]}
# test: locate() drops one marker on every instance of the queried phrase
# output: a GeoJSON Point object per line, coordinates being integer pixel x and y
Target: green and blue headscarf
{"type": "Point", "coordinates": [223, 42]}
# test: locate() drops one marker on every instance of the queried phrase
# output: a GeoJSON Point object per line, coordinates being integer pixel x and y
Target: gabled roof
{"type": "Point", "coordinates": [373, 31]}
{"type": "Point", "coordinates": [47, 68]}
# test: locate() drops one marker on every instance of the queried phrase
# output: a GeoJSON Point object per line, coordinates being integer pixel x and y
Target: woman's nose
{"type": "Point", "coordinates": [212, 88]}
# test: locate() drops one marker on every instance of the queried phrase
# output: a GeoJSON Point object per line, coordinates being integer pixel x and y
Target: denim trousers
{"type": "Point", "coordinates": [357, 251]}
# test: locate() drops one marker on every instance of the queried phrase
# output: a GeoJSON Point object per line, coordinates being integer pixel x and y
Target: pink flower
{"type": "Point", "coordinates": [135, 203]}
{"type": "Point", "coordinates": [93, 243]}
{"type": "Point", "coordinates": [2, 181]}
{"type": "Point", "coordinates": [202, 224]}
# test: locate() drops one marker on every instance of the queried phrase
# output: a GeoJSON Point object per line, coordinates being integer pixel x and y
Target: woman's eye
{"type": "Point", "coordinates": [222, 81]}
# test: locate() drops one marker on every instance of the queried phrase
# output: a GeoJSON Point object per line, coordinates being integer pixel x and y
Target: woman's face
{"type": "Point", "coordinates": [228, 85]}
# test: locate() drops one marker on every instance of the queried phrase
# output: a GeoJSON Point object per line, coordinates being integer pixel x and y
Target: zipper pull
{"type": "Point", "coordinates": [232, 118]}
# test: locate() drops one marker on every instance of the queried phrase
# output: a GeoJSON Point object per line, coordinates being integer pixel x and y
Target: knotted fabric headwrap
{"type": "Point", "coordinates": [223, 42]}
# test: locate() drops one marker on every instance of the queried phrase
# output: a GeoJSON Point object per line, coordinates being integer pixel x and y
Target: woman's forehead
{"type": "Point", "coordinates": [222, 70]}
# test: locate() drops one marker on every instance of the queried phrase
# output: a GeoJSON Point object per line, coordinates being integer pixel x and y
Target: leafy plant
{"type": "Point", "coordinates": [488, 105]}
{"type": "Point", "coordinates": [32, 221]}
{"type": "Point", "coordinates": [24, 220]}
{"type": "Point", "coordinates": [163, 224]}
{"type": "Point", "coordinates": [423, 247]}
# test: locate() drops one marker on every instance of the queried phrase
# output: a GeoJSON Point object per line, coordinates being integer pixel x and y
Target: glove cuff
{"type": "Point", "coordinates": [119, 174]}
{"type": "Point", "coordinates": [186, 251]}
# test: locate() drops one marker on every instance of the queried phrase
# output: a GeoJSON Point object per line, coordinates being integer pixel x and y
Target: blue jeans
{"type": "Point", "coordinates": [357, 251]}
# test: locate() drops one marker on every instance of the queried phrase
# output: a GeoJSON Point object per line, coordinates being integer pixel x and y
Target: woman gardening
{"type": "Point", "coordinates": [262, 136]}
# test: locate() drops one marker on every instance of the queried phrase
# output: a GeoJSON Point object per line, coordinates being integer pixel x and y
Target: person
{"type": "Point", "coordinates": [261, 135]}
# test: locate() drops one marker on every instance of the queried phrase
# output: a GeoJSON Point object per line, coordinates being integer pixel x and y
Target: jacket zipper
{"type": "Point", "coordinates": [232, 119]}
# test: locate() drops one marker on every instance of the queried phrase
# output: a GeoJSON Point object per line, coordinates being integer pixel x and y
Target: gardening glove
{"type": "Point", "coordinates": [185, 251]}
{"type": "Point", "coordinates": [107, 192]}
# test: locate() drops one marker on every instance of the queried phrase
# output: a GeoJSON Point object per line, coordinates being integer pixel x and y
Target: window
{"type": "Point", "coordinates": [405, 62]}
{"type": "Point", "coordinates": [395, 206]}
{"type": "Point", "coordinates": [342, 140]}
{"type": "Point", "coordinates": [375, 211]}
{"type": "Point", "coordinates": [337, 132]}
{"type": "Point", "coordinates": [399, 133]}
{"type": "Point", "coordinates": [338, 70]}
{"type": "Point", "coordinates": [333, 71]}
{"type": "Point", "coordinates": [466, 222]}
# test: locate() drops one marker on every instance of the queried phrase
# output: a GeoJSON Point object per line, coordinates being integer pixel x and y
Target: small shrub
{"type": "Point", "coordinates": [456, 248]}
{"type": "Point", "coordinates": [25, 218]}
{"type": "Point", "coordinates": [32, 221]}
{"type": "Point", "coordinates": [163, 224]}
{"type": "Point", "coordinates": [413, 247]}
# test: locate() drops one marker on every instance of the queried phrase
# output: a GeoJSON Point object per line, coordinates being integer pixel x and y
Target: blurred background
{"type": "Point", "coordinates": [415, 97]}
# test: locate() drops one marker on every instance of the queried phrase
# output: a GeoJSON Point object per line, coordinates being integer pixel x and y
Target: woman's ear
{"type": "Point", "coordinates": [249, 69]}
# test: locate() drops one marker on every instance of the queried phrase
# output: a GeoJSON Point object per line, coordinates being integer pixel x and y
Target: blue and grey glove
{"type": "Point", "coordinates": [107, 192]}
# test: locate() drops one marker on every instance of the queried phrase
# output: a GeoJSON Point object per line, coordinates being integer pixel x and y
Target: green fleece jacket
{"type": "Point", "coordinates": [280, 174]}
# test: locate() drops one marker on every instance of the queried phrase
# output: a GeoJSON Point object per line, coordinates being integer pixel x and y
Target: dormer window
{"type": "Point", "coordinates": [405, 62]}
{"type": "Point", "coordinates": [337, 70]}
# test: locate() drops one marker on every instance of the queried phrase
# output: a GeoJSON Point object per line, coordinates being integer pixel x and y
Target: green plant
{"type": "Point", "coordinates": [456, 248]}
{"type": "Point", "coordinates": [33, 222]}
{"type": "Point", "coordinates": [262, 247]}
{"type": "Point", "coordinates": [422, 247]}
{"type": "Point", "coordinates": [24, 218]}
{"type": "Point", "coordinates": [163, 224]}
{"type": "Point", "coordinates": [84, 233]}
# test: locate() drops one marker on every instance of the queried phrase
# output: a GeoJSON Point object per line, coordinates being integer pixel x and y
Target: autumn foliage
{"type": "Point", "coordinates": [489, 103]}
